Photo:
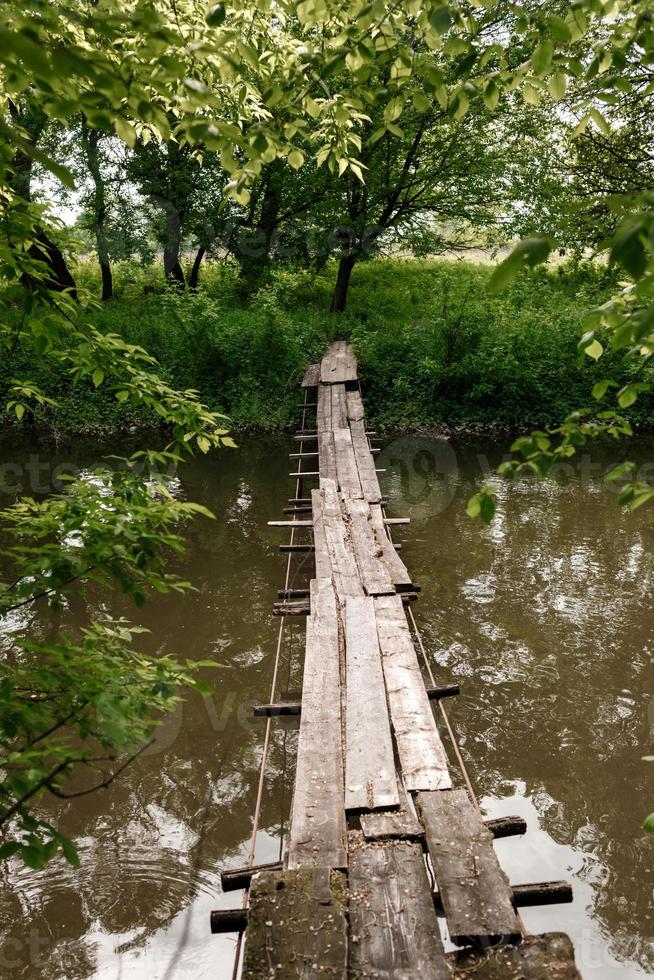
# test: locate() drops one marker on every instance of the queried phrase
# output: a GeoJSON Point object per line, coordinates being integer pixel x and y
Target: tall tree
{"type": "Point", "coordinates": [31, 121]}
{"type": "Point", "coordinates": [98, 203]}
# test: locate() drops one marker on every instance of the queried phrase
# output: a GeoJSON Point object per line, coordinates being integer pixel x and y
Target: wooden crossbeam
{"type": "Point", "coordinates": [233, 879]}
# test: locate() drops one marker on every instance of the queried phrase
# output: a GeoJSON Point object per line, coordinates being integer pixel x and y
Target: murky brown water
{"type": "Point", "coordinates": [546, 621]}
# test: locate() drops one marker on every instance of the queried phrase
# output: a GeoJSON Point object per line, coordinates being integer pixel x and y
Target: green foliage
{"type": "Point", "coordinates": [435, 349]}
{"type": "Point", "coordinates": [72, 708]}
{"type": "Point", "coordinates": [482, 504]}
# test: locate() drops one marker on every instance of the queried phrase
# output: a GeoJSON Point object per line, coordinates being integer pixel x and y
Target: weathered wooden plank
{"type": "Point", "coordinates": [346, 464]}
{"type": "Point", "coordinates": [327, 466]}
{"type": "Point", "coordinates": [354, 406]}
{"type": "Point", "coordinates": [339, 364]}
{"type": "Point", "coordinates": [370, 782]}
{"type": "Point", "coordinates": [323, 560]}
{"type": "Point", "coordinates": [396, 568]}
{"type": "Point", "coordinates": [324, 410]}
{"type": "Point", "coordinates": [399, 825]}
{"type": "Point", "coordinates": [341, 555]}
{"type": "Point", "coordinates": [318, 831]}
{"type": "Point", "coordinates": [297, 926]}
{"type": "Point", "coordinates": [339, 406]}
{"type": "Point", "coordinates": [474, 891]}
{"type": "Point", "coordinates": [311, 376]}
{"type": "Point", "coordinates": [421, 752]}
{"type": "Point", "coordinates": [365, 463]}
{"type": "Point", "coordinates": [394, 929]}
{"type": "Point", "coordinates": [373, 570]}
{"type": "Point", "coordinates": [549, 956]}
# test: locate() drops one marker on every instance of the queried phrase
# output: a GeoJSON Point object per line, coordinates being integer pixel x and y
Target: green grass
{"type": "Point", "coordinates": [435, 349]}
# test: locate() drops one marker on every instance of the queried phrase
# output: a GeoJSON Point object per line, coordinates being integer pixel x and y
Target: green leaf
{"type": "Point", "coordinates": [97, 377]}
{"type": "Point", "coordinates": [530, 94]}
{"type": "Point", "coordinates": [229, 442]}
{"type": "Point", "coordinates": [617, 472]}
{"type": "Point", "coordinates": [541, 59]}
{"type": "Point", "coordinates": [528, 252]}
{"type": "Point", "coordinates": [560, 30]}
{"type": "Point", "coordinates": [69, 851]}
{"type": "Point", "coordinates": [440, 18]}
{"type": "Point", "coordinates": [33, 856]}
{"type": "Point", "coordinates": [482, 505]}
{"type": "Point", "coordinates": [203, 688]}
{"type": "Point", "coordinates": [126, 131]}
{"type": "Point", "coordinates": [600, 388]}
{"type": "Point", "coordinates": [594, 350]}
{"type": "Point", "coordinates": [393, 109]}
{"type": "Point", "coordinates": [201, 509]}
{"type": "Point", "coordinates": [491, 95]}
{"type": "Point", "coordinates": [648, 824]}
{"type": "Point", "coordinates": [628, 395]}
{"type": "Point", "coordinates": [628, 246]}
{"type": "Point", "coordinates": [459, 105]}
{"type": "Point", "coordinates": [558, 85]}
{"type": "Point", "coordinates": [295, 159]}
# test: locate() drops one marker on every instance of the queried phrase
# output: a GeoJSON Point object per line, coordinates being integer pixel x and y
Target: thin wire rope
{"type": "Point", "coordinates": [266, 740]}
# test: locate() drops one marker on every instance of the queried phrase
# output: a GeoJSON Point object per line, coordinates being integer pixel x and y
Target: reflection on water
{"type": "Point", "coordinates": [545, 620]}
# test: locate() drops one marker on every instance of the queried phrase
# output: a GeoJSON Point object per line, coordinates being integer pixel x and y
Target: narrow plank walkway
{"type": "Point", "coordinates": [375, 815]}
{"type": "Point", "coordinates": [318, 828]}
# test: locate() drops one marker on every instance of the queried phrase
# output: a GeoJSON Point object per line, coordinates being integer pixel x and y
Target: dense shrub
{"type": "Point", "coordinates": [435, 349]}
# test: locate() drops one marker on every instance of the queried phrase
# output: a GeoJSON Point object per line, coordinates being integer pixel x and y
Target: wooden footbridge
{"type": "Point", "coordinates": [388, 854]}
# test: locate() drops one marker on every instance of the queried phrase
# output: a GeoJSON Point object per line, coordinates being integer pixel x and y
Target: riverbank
{"type": "Point", "coordinates": [437, 352]}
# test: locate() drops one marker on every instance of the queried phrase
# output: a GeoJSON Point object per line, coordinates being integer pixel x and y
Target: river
{"type": "Point", "coordinates": [545, 619]}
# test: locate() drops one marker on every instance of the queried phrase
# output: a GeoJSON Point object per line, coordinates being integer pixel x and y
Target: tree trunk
{"type": "Point", "coordinates": [195, 271]}
{"type": "Point", "coordinates": [90, 140]}
{"type": "Point", "coordinates": [339, 299]}
{"type": "Point", "coordinates": [33, 121]}
{"type": "Point", "coordinates": [59, 279]}
{"type": "Point", "coordinates": [254, 257]}
{"type": "Point", "coordinates": [107, 281]}
{"type": "Point", "coordinates": [172, 266]}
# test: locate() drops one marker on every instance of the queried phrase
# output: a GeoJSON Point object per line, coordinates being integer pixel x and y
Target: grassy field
{"type": "Point", "coordinates": [435, 349]}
